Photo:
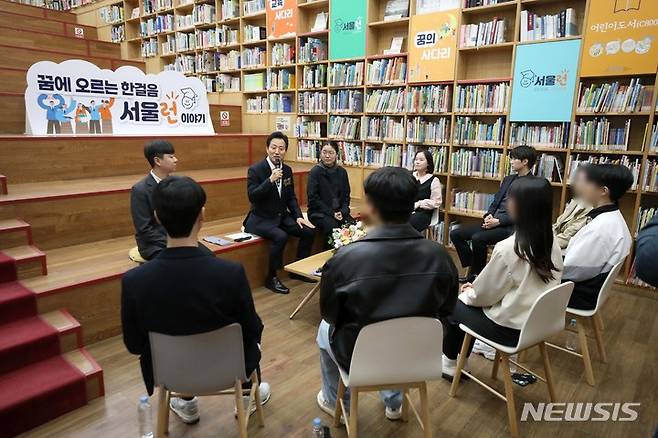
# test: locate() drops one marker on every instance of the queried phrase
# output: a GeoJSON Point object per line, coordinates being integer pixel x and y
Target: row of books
{"type": "Point", "coordinates": [149, 48]}
{"type": "Point", "coordinates": [281, 103]}
{"type": "Point", "coordinates": [390, 100]}
{"type": "Point", "coordinates": [471, 131]}
{"type": "Point", "coordinates": [311, 102]}
{"type": "Point", "coordinates": [346, 74]}
{"type": "Point", "coordinates": [253, 6]}
{"type": "Point", "coordinates": [428, 99]}
{"type": "Point", "coordinates": [653, 140]}
{"type": "Point", "coordinates": [314, 76]}
{"type": "Point", "coordinates": [634, 280]}
{"type": "Point", "coordinates": [386, 155]}
{"type": "Point", "coordinates": [230, 60]}
{"type": "Point", "coordinates": [256, 105]}
{"type": "Point", "coordinates": [203, 14]}
{"type": "Point", "coordinates": [633, 165]}
{"type": "Point", "coordinates": [478, 3]}
{"type": "Point", "coordinates": [312, 50]}
{"type": "Point", "coordinates": [184, 22]}
{"type": "Point", "coordinates": [437, 232]}
{"type": "Point", "coordinates": [539, 136]}
{"type": "Point", "coordinates": [474, 201]}
{"type": "Point", "coordinates": [549, 166]}
{"type": "Point", "coordinates": [162, 5]}
{"type": "Point", "coordinates": [183, 64]}
{"type": "Point", "coordinates": [169, 45]}
{"type": "Point", "coordinates": [644, 216]}
{"type": "Point", "coordinates": [111, 14]}
{"type": "Point", "coordinates": [387, 71]}
{"type": "Point", "coordinates": [383, 128]}
{"type": "Point", "coordinates": [185, 41]}
{"type": "Point", "coordinates": [253, 33]}
{"type": "Point", "coordinates": [229, 9]}
{"type": "Point", "coordinates": [650, 176]}
{"type": "Point", "coordinates": [422, 130]}
{"type": "Point", "coordinates": [152, 26]}
{"type": "Point", "coordinates": [206, 39]}
{"type": "Point", "coordinates": [280, 80]}
{"type": "Point", "coordinates": [228, 83]}
{"type": "Point", "coordinates": [615, 97]}
{"type": "Point", "coordinates": [482, 34]}
{"type": "Point", "coordinates": [476, 162]}
{"type": "Point", "coordinates": [148, 6]}
{"type": "Point", "coordinates": [482, 98]}
{"type": "Point", "coordinates": [283, 54]}
{"type": "Point", "coordinates": [348, 153]}
{"type": "Point", "coordinates": [118, 33]}
{"type": "Point", "coordinates": [309, 150]}
{"type": "Point", "coordinates": [598, 134]}
{"type": "Point", "coordinates": [305, 127]}
{"type": "Point", "coordinates": [536, 27]}
{"type": "Point", "coordinates": [206, 62]}
{"type": "Point", "coordinates": [346, 101]}
{"type": "Point", "coordinates": [344, 128]}
{"type": "Point", "coordinates": [254, 57]}
{"type": "Point", "coordinates": [439, 155]}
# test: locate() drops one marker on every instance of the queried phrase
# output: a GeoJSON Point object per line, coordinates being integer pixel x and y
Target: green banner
{"type": "Point", "coordinates": [348, 21]}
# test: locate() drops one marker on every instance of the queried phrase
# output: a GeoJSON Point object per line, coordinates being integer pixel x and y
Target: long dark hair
{"type": "Point", "coordinates": [533, 197]}
{"type": "Point", "coordinates": [428, 158]}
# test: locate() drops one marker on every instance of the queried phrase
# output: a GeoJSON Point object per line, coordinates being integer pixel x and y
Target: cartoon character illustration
{"type": "Point", "coordinates": [94, 117]}
{"type": "Point", "coordinates": [527, 78]}
{"type": "Point", "coordinates": [50, 103]}
{"type": "Point", "coordinates": [81, 120]}
{"type": "Point", "coordinates": [189, 99]}
{"type": "Point", "coordinates": [106, 115]}
{"type": "Point", "coordinates": [62, 114]}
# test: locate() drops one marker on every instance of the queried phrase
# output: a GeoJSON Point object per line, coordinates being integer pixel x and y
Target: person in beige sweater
{"type": "Point", "coordinates": [521, 268]}
{"type": "Point", "coordinates": [571, 221]}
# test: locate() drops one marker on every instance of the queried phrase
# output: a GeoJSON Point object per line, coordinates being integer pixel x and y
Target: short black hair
{"type": "Point", "coordinates": [524, 152]}
{"type": "Point", "coordinates": [157, 148]}
{"type": "Point", "coordinates": [178, 200]}
{"type": "Point", "coordinates": [393, 191]}
{"type": "Point", "coordinates": [330, 144]}
{"type": "Point", "coordinates": [428, 158]}
{"type": "Point", "coordinates": [274, 136]}
{"type": "Point", "coordinates": [616, 177]}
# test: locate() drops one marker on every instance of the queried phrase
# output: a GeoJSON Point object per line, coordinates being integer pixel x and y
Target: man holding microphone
{"type": "Point", "coordinates": [275, 213]}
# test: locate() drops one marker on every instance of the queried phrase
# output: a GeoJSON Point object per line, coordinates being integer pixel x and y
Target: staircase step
{"type": "Point", "coordinates": [3, 185]}
{"type": "Point", "coordinates": [87, 365]}
{"type": "Point", "coordinates": [30, 260]}
{"type": "Point", "coordinates": [68, 329]}
{"type": "Point", "coordinates": [16, 302]}
{"type": "Point", "coordinates": [41, 24]}
{"type": "Point", "coordinates": [26, 341]}
{"type": "Point", "coordinates": [14, 232]}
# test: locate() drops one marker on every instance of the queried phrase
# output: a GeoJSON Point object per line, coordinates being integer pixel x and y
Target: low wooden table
{"type": "Point", "coordinates": [305, 268]}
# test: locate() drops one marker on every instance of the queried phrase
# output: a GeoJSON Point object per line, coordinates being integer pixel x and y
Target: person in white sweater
{"type": "Point", "coordinates": [521, 268]}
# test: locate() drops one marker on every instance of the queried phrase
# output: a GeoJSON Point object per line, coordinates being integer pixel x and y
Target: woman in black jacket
{"type": "Point", "coordinates": [328, 191]}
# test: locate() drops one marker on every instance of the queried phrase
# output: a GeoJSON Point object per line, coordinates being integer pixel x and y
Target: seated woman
{"type": "Point", "coordinates": [521, 268]}
{"type": "Point", "coordinates": [328, 191]}
{"type": "Point", "coordinates": [429, 191]}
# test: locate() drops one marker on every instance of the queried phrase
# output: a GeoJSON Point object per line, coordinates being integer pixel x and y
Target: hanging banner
{"type": "Point", "coordinates": [348, 21]}
{"type": "Point", "coordinates": [433, 46]}
{"type": "Point", "coordinates": [545, 81]}
{"type": "Point", "coordinates": [621, 38]}
{"type": "Point", "coordinates": [76, 97]}
{"type": "Point", "coordinates": [281, 18]}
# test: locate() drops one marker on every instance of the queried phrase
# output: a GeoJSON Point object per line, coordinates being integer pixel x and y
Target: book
{"type": "Point", "coordinates": [320, 23]}
{"type": "Point", "coordinates": [396, 46]}
{"type": "Point", "coordinates": [396, 9]}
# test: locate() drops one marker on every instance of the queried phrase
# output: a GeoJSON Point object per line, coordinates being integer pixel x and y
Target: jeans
{"type": "Point", "coordinates": [330, 375]}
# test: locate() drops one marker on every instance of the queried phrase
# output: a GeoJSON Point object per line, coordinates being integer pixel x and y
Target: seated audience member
{"type": "Point", "coordinates": [497, 224]}
{"type": "Point", "coordinates": [646, 254]}
{"type": "Point", "coordinates": [570, 221]}
{"type": "Point", "coordinates": [605, 240]}
{"type": "Point", "coordinates": [328, 193]}
{"type": "Point", "coordinates": [186, 290]}
{"type": "Point", "coordinates": [149, 234]}
{"type": "Point", "coordinates": [429, 191]}
{"type": "Point", "coordinates": [522, 267]}
{"type": "Point", "coordinates": [275, 213]}
{"type": "Point", "coordinates": [393, 272]}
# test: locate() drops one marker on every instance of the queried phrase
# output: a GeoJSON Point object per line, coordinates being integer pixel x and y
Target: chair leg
{"type": "Point", "coordinates": [239, 404]}
{"type": "Point", "coordinates": [523, 356]}
{"type": "Point", "coordinates": [425, 408]}
{"type": "Point", "coordinates": [163, 410]}
{"type": "Point", "coordinates": [460, 365]}
{"type": "Point", "coordinates": [338, 413]}
{"type": "Point", "coordinates": [597, 323]}
{"type": "Point", "coordinates": [405, 405]}
{"type": "Point", "coordinates": [255, 394]}
{"type": "Point", "coordinates": [547, 371]}
{"type": "Point", "coordinates": [509, 395]}
{"type": "Point", "coordinates": [587, 361]}
{"type": "Point", "coordinates": [353, 430]}
{"type": "Point", "coordinates": [496, 364]}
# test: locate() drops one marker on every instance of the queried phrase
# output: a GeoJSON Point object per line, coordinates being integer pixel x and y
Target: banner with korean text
{"type": "Point", "coordinates": [545, 81]}
{"type": "Point", "coordinates": [347, 27]}
{"type": "Point", "coordinates": [75, 97]}
{"type": "Point", "coordinates": [433, 46]}
{"type": "Point", "coordinates": [621, 38]}
{"type": "Point", "coordinates": [281, 18]}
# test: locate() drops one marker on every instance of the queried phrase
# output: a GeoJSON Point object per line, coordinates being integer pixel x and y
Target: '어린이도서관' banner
{"type": "Point", "coordinates": [75, 97]}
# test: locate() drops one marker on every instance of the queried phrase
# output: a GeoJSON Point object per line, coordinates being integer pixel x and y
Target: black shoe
{"type": "Point", "coordinates": [301, 278]}
{"type": "Point", "coordinates": [275, 285]}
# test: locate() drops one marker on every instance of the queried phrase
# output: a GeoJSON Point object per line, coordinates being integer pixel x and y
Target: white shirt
{"type": "Point", "coordinates": [155, 177]}
{"type": "Point", "coordinates": [434, 200]}
{"type": "Point", "coordinates": [272, 167]}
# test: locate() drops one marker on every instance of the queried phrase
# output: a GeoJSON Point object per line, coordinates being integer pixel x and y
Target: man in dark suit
{"type": "Point", "coordinates": [647, 253]}
{"type": "Point", "coordinates": [149, 234]}
{"type": "Point", "coordinates": [186, 290]}
{"type": "Point", "coordinates": [275, 213]}
{"type": "Point", "coordinates": [496, 224]}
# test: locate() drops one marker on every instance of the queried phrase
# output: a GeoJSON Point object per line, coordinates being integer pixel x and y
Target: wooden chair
{"type": "Point", "coordinates": [545, 320]}
{"type": "Point", "coordinates": [205, 364]}
{"type": "Point", "coordinates": [594, 318]}
{"type": "Point", "coordinates": [401, 353]}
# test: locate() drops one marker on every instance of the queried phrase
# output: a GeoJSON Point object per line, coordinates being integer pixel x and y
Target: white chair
{"type": "Point", "coordinates": [594, 318]}
{"type": "Point", "coordinates": [545, 320]}
{"type": "Point", "coordinates": [205, 364]}
{"type": "Point", "coordinates": [401, 353]}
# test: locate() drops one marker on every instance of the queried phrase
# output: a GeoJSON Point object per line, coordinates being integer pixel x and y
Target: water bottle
{"type": "Point", "coordinates": [572, 336]}
{"type": "Point", "coordinates": [318, 432]}
{"type": "Point", "coordinates": [145, 417]}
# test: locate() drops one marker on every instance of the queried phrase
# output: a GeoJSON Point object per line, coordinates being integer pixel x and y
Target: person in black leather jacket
{"type": "Point", "coordinates": [393, 272]}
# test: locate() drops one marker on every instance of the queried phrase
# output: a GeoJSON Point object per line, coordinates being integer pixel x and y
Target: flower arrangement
{"type": "Point", "coordinates": [346, 234]}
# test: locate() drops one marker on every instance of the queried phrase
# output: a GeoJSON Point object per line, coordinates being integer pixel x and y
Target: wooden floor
{"type": "Point", "coordinates": [291, 364]}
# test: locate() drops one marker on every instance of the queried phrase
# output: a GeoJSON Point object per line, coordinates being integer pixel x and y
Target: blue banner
{"type": "Point", "coordinates": [545, 81]}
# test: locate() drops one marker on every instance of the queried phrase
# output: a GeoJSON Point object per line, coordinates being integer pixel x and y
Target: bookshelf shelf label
{"type": "Point", "coordinates": [281, 18]}
{"type": "Point", "coordinates": [348, 29]}
{"type": "Point", "coordinates": [545, 81]}
{"type": "Point", "coordinates": [433, 46]}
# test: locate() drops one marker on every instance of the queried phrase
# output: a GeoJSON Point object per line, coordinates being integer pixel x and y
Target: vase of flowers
{"type": "Point", "coordinates": [346, 234]}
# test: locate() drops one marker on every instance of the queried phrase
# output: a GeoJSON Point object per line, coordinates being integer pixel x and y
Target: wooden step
{"type": "Point", "coordinates": [48, 25]}
{"type": "Point", "coordinates": [30, 260]}
{"type": "Point", "coordinates": [3, 185]}
{"type": "Point", "coordinates": [34, 11]}
{"type": "Point", "coordinates": [14, 232]}
{"type": "Point", "coordinates": [68, 329]}
{"type": "Point", "coordinates": [23, 58]}
{"type": "Point", "coordinates": [88, 366]}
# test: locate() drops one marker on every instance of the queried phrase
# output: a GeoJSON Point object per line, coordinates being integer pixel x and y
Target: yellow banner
{"type": "Point", "coordinates": [433, 46]}
{"type": "Point", "coordinates": [621, 38]}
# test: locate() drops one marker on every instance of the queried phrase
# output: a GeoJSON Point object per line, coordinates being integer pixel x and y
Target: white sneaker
{"type": "Point", "coordinates": [265, 393]}
{"type": "Point", "coordinates": [393, 414]}
{"type": "Point", "coordinates": [326, 407]}
{"type": "Point", "coordinates": [450, 367]}
{"type": "Point", "coordinates": [485, 350]}
{"type": "Point", "coordinates": [187, 410]}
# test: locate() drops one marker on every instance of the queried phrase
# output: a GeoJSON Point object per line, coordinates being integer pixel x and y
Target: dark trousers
{"type": "Point", "coordinates": [94, 126]}
{"type": "Point", "coordinates": [54, 127]}
{"type": "Point", "coordinates": [476, 320]}
{"type": "Point", "coordinates": [421, 219]}
{"type": "Point", "coordinates": [475, 254]}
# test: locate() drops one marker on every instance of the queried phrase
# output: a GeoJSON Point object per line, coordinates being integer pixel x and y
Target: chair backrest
{"type": "Point", "coordinates": [604, 293]}
{"type": "Point", "coordinates": [198, 364]}
{"type": "Point", "coordinates": [546, 316]}
{"type": "Point", "coordinates": [401, 350]}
